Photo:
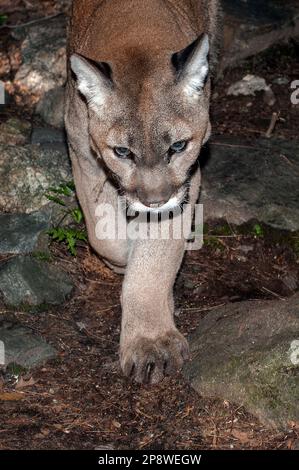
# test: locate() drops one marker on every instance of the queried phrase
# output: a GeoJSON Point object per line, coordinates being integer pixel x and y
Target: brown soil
{"type": "Point", "coordinates": [250, 116]}
{"type": "Point", "coordinates": [80, 400]}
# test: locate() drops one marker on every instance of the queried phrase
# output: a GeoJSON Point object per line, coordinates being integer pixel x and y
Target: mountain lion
{"type": "Point", "coordinates": [137, 115]}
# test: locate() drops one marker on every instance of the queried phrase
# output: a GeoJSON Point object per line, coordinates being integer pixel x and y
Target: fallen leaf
{"type": "Point", "coordinates": [25, 383]}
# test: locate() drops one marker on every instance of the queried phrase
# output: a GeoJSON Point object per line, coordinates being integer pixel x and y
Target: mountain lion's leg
{"type": "Point", "coordinates": [94, 189]}
{"type": "Point", "coordinates": [151, 346]}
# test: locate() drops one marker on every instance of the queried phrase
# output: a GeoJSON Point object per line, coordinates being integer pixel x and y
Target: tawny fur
{"type": "Point", "coordinates": [146, 106]}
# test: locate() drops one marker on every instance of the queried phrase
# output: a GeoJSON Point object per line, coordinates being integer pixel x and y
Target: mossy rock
{"type": "Point", "coordinates": [248, 353]}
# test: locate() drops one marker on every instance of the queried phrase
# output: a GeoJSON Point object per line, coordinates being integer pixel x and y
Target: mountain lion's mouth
{"type": "Point", "coordinates": [173, 203]}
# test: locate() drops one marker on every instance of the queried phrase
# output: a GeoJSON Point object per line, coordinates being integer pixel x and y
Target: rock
{"type": "Point", "coordinates": [47, 135]}
{"type": "Point", "coordinates": [23, 348]}
{"type": "Point", "coordinates": [253, 26]}
{"type": "Point", "coordinates": [23, 233]}
{"type": "Point", "coordinates": [15, 132]}
{"type": "Point", "coordinates": [248, 353]}
{"type": "Point", "coordinates": [25, 281]}
{"type": "Point", "coordinates": [257, 179]}
{"type": "Point", "coordinates": [43, 51]}
{"type": "Point", "coordinates": [281, 81]}
{"type": "Point", "coordinates": [26, 173]}
{"type": "Point", "coordinates": [248, 86]}
{"type": "Point", "coordinates": [51, 107]}
{"type": "Point", "coordinates": [269, 97]}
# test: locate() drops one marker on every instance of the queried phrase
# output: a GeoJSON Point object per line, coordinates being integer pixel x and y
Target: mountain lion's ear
{"type": "Point", "coordinates": [93, 79]}
{"type": "Point", "coordinates": [192, 66]}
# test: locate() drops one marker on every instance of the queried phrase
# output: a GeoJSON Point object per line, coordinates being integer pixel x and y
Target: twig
{"type": "Point", "coordinates": [223, 144]}
{"type": "Point", "coordinates": [29, 23]}
{"type": "Point", "coordinates": [274, 119]}
{"type": "Point", "coordinates": [289, 162]}
{"type": "Point", "coordinates": [204, 309]}
{"type": "Point", "coordinates": [286, 159]}
{"type": "Point", "coordinates": [273, 293]}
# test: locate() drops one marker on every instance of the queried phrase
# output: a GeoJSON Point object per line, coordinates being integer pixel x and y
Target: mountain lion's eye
{"type": "Point", "coordinates": [178, 147]}
{"type": "Point", "coordinates": [122, 152]}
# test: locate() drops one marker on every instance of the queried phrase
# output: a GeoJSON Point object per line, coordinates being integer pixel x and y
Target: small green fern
{"type": "Point", "coordinates": [72, 234]}
{"type": "Point", "coordinates": [68, 236]}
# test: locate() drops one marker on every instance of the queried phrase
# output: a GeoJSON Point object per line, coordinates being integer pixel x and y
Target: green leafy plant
{"type": "Point", "coordinates": [71, 234]}
{"type": "Point", "coordinates": [64, 189]}
{"type": "Point", "coordinates": [258, 230]}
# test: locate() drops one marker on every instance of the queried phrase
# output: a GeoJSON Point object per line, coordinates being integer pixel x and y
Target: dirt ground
{"type": "Point", "coordinates": [80, 400]}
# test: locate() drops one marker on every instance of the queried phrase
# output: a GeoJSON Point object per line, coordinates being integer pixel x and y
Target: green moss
{"type": "Point", "coordinates": [273, 382]}
{"type": "Point", "coordinates": [259, 380]}
{"type": "Point", "coordinates": [43, 256]}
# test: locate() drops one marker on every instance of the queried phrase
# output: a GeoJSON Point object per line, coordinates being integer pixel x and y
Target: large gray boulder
{"type": "Point", "coordinates": [24, 233]}
{"type": "Point", "coordinates": [28, 282]}
{"type": "Point", "coordinates": [43, 51]}
{"type": "Point", "coordinates": [256, 179]}
{"type": "Point", "coordinates": [20, 346]}
{"type": "Point", "coordinates": [27, 172]}
{"type": "Point", "coordinates": [51, 107]}
{"type": "Point", "coordinates": [15, 132]}
{"type": "Point", "coordinates": [248, 353]}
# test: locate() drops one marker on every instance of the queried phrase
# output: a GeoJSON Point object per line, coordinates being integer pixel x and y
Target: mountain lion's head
{"type": "Point", "coordinates": [148, 119]}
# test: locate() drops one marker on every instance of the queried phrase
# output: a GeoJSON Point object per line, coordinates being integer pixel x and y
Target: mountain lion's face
{"type": "Point", "coordinates": [148, 122]}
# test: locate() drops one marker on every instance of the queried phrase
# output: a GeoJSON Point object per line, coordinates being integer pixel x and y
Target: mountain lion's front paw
{"type": "Point", "coordinates": [148, 361]}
